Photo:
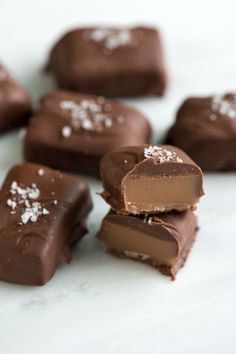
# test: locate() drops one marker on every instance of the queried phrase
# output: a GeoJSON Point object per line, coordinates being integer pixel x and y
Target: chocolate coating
{"type": "Point", "coordinates": [162, 241]}
{"type": "Point", "coordinates": [15, 105]}
{"type": "Point", "coordinates": [110, 61]}
{"type": "Point", "coordinates": [73, 131]}
{"type": "Point", "coordinates": [142, 179]}
{"type": "Point", "coordinates": [205, 128]}
{"type": "Point", "coordinates": [42, 212]}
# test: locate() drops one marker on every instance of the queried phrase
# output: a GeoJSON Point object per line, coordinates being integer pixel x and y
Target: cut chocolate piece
{"type": "Point", "coordinates": [42, 212]}
{"type": "Point", "coordinates": [15, 105]}
{"type": "Point", "coordinates": [162, 241]}
{"type": "Point", "coordinates": [150, 179]}
{"type": "Point", "coordinates": [205, 128]}
{"type": "Point", "coordinates": [73, 131]}
{"type": "Point", "coordinates": [110, 61]}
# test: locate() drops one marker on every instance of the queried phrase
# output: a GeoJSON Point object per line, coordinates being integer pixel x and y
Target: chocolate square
{"type": "Point", "coordinates": [15, 105]}
{"type": "Point", "coordinates": [42, 212]}
{"type": "Point", "coordinates": [205, 129]}
{"type": "Point", "coordinates": [110, 61]}
{"type": "Point", "coordinates": [150, 179]}
{"type": "Point", "coordinates": [73, 131]}
{"type": "Point", "coordinates": [162, 241]}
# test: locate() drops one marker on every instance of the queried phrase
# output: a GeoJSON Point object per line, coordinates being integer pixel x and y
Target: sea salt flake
{"type": "Point", "coordinates": [161, 154]}
{"type": "Point", "coordinates": [212, 117]}
{"type": "Point", "coordinates": [45, 211]}
{"type": "Point", "coordinates": [11, 203]}
{"type": "Point", "coordinates": [25, 217]}
{"type": "Point", "coordinates": [41, 172]}
{"type": "Point", "coordinates": [25, 197]}
{"type": "Point", "coordinates": [111, 38]}
{"type": "Point", "coordinates": [66, 131]}
{"type": "Point", "coordinates": [88, 115]}
{"type": "Point", "coordinates": [120, 119]}
{"type": "Point", "coordinates": [223, 105]}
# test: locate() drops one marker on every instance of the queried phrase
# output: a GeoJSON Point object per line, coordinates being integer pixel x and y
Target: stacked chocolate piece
{"type": "Point", "coordinates": [152, 191]}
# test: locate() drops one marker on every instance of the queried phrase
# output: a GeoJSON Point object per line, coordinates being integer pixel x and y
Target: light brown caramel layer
{"type": "Point", "coordinates": [157, 194]}
{"type": "Point", "coordinates": [138, 245]}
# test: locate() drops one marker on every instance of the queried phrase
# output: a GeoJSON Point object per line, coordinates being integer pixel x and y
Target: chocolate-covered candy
{"type": "Point", "coordinates": [150, 179]}
{"type": "Point", "coordinates": [205, 128]}
{"type": "Point", "coordinates": [15, 105]}
{"type": "Point", "coordinates": [110, 61]}
{"type": "Point", "coordinates": [73, 131]}
{"type": "Point", "coordinates": [42, 212]}
{"type": "Point", "coordinates": [162, 241]}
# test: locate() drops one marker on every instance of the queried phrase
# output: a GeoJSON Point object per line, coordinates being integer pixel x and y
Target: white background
{"type": "Point", "coordinates": [100, 304]}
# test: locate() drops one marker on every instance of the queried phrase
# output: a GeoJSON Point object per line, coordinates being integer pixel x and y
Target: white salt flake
{"type": "Point", "coordinates": [223, 105]}
{"type": "Point", "coordinates": [41, 172]}
{"type": "Point", "coordinates": [14, 185]}
{"type": "Point", "coordinates": [25, 198]}
{"type": "Point", "coordinates": [25, 217]}
{"type": "Point", "coordinates": [111, 38]}
{"type": "Point", "coordinates": [11, 203]}
{"type": "Point", "coordinates": [45, 211]}
{"type": "Point", "coordinates": [161, 154]}
{"type": "Point", "coordinates": [66, 131]}
{"type": "Point", "coordinates": [89, 115]}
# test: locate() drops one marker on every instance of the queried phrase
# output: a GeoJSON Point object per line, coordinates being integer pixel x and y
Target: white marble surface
{"type": "Point", "coordinates": [99, 304]}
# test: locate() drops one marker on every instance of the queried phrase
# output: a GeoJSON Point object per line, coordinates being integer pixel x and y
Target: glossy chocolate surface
{"type": "Point", "coordinates": [15, 105]}
{"type": "Point", "coordinates": [205, 128]}
{"type": "Point", "coordinates": [73, 131]}
{"type": "Point", "coordinates": [110, 61]}
{"type": "Point", "coordinates": [150, 179]}
{"type": "Point", "coordinates": [42, 212]}
{"type": "Point", "coordinates": [162, 241]}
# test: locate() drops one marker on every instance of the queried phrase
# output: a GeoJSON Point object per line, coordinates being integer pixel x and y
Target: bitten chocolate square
{"type": "Point", "coordinates": [73, 131]}
{"type": "Point", "coordinates": [15, 105]}
{"type": "Point", "coordinates": [42, 213]}
{"type": "Point", "coordinates": [110, 61]}
{"type": "Point", "coordinates": [150, 179]}
{"type": "Point", "coordinates": [162, 241]}
{"type": "Point", "coordinates": [205, 128]}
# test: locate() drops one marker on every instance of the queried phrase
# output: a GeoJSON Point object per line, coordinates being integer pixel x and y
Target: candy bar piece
{"type": "Point", "coordinates": [42, 212]}
{"type": "Point", "coordinates": [162, 241]}
{"type": "Point", "coordinates": [73, 131]}
{"type": "Point", "coordinates": [150, 179]}
{"type": "Point", "coordinates": [15, 105]}
{"type": "Point", "coordinates": [205, 128]}
{"type": "Point", "coordinates": [110, 61]}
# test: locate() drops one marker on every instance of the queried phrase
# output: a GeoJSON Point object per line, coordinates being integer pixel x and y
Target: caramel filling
{"type": "Point", "coordinates": [138, 245]}
{"type": "Point", "coordinates": [144, 194]}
